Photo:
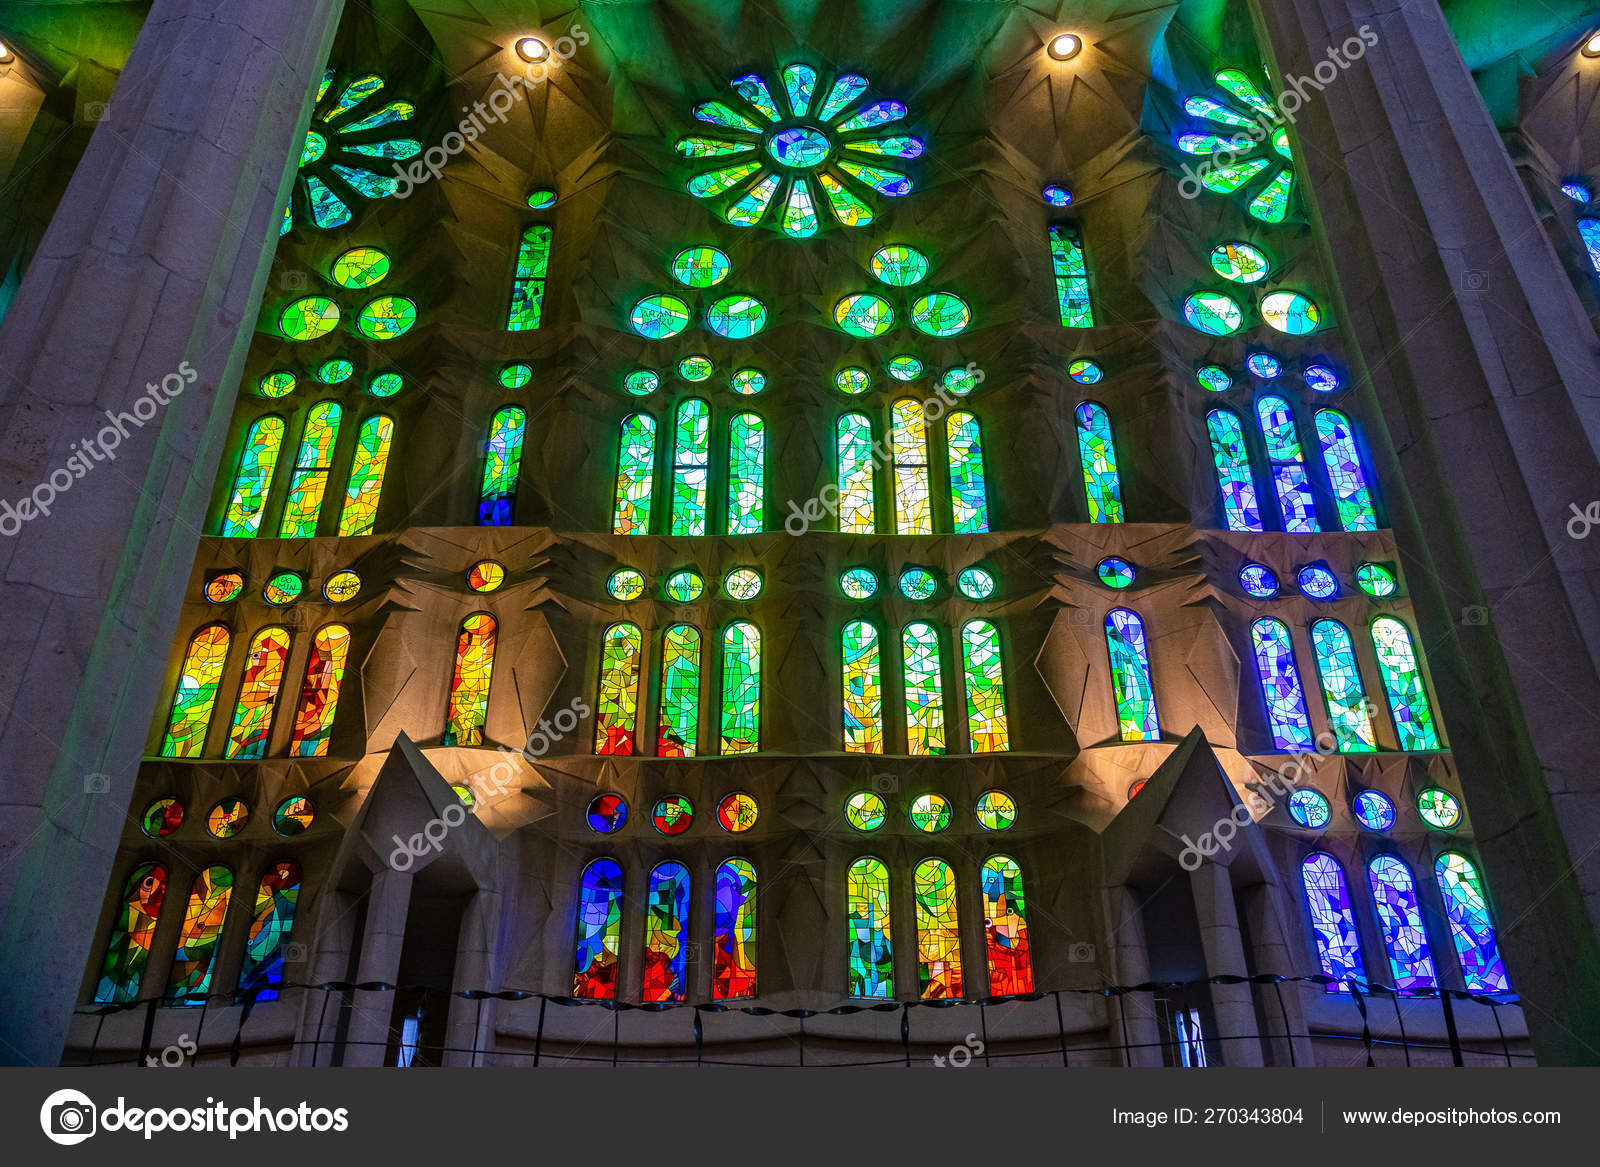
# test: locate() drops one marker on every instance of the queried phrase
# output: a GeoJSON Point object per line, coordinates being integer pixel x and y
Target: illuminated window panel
{"type": "Point", "coordinates": [621, 653]}
{"type": "Point", "coordinates": [1394, 896]}
{"type": "Point", "coordinates": [502, 463]}
{"type": "Point", "coordinates": [195, 959]}
{"type": "Point", "coordinates": [1343, 693]}
{"type": "Point", "coordinates": [527, 286]}
{"type": "Point", "coordinates": [691, 460]}
{"type": "Point", "coordinates": [1467, 908]}
{"type": "Point", "coordinates": [1333, 921]}
{"type": "Point", "coordinates": [1005, 928]}
{"type": "Point", "coordinates": [1098, 455]}
{"type": "Point", "coordinates": [599, 931]}
{"type": "Point", "coordinates": [1589, 229]}
{"type": "Point", "coordinates": [924, 690]}
{"type": "Point", "coordinates": [938, 932]}
{"type": "Point", "coordinates": [678, 731]}
{"type": "Point", "coordinates": [1137, 719]}
{"type": "Point", "coordinates": [867, 909]}
{"type": "Point", "coordinates": [747, 454]}
{"type": "Point", "coordinates": [1241, 510]}
{"type": "Point", "coordinates": [666, 946]}
{"type": "Point", "coordinates": [319, 694]}
{"type": "Point", "coordinates": [969, 492]}
{"type": "Point", "coordinates": [863, 690]}
{"type": "Point", "coordinates": [133, 931]}
{"type": "Point", "coordinates": [908, 441]}
{"type": "Point", "coordinates": [981, 669]}
{"type": "Point", "coordinates": [636, 461]}
{"type": "Point", "coordinates": [855, 475]}
{"type": "Point", "coordinates": [258, 694]}
{"type": "Point", "coordinates": [309, 481]}
{"type": "Point", "coordinates": [251, 482]}
{"type": "Point", "coordinates": [1072, 277]}
{"type": "Point", "coordinates": [197, 693]}
{"type": "Point", "coordinates": [469, 685]}
{"type": "Point", "coordinates": [1280, 685]}
{"type": "Point", "coordinates": [367, 467]}
{"type": "Point", "coordinates": [1352, 485]}
{"type": "Point", "coordinates": [1403, 685]}
{"type": "Point", "coordinates": [734, 975]}
{"type": "Point", "coordinates": [741, 688]}
{"type": "Point", "coordinates": [271, 925]}
{"type": "Point", "coordinates": [1295, 501]}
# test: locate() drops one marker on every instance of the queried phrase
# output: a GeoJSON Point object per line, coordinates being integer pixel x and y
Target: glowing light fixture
{"type": "Point", "coordinates": [1064, 46]}
{"type": "Point", "coordinates": [1591, 47]}
{"type": "Point", "coordinates": [532, 49]}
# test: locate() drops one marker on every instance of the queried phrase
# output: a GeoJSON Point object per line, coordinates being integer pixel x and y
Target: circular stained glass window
{"type": "Point", "coordinates": [917, 583]}
{"type": "Point", "coordinates": [464, 793]}
{"type": "Point", "coordinates": [798, 146]}
{"type": "Point", "coordinates": [1213, 313]}
{"type": "Point", "coordinates": [387, 317]}
{"type": "Point", "coordinates": [1263, 365]}
{"type": "Point", "coordinates": [742, 583]}
{"type": "Point", "coordinates": [960, 381]}
{"type": "Point", "coordinates": [941, 314]}
{"type": "Point", "coordinates": [658, 317]}
{"type": "Point", "coordinates": [1290, 312]}
{"type": "Point", "coordinates": [858, 583]}
{"type": "Point", "coordinates": [283, 588]}
{"type": "Point", "coordinates": [542, 199]}
{"type": "Point", "coordinates": [335, 371]}
{"type": "Point", "coordinates": [701, 267]}
{"type": "Point", "coordinates": [1577, 192]}
{"type": "Point", "coordinates": [865, 811]}
{"type": "Point", "coordinates": [1057, 196]}
{"type": "Point", "coordinates": [309, 317]}
{"type": "Point", "coordinates": [975, 583]}
{"type": "Point", "coordinates": [1373, 810]}
{"type": "Point", "coordinates": [899, 265]}
{"type": "Point", "coordinates": [224, 588]}
{"type": "Point", "coordinates": [360, 267]}
{"type": "Point", "coordinates": [1318, 582]}
{"type": "Point", "coordinates": [904, 367]}
{"type": "Point", "coordinates": [1258, 581]}
{"type": "Point", "coordinates": [1135, 787]}
{"type": "Point", "coordinates": [641, 382]}
{"type": "Point", "coordinates": [1215, 378]}
{"type": "Point", "coordinates": [996, 810]}
{"type": "Point", "coordinates": [685, 586]}
{"type": "Point", "coordinates": [930, 812]}
{"type": "Point", "coordinates": [737, 317]}
{"type": "Point", "coordinates": [293, 816]}
{"type": "Point", "coordinates": [486, 576]}
{"type": "Point", "coordinates": [228, 818]}
{"type": "Point", "coordinates": [1085, 372]}
{"type": "Point", "coordinates": [342, 587]}
{"type": "Point", "coordinates": [1308, 808]}
{"type": "Point", "coordinates": [749, 382]}
{"type": "Point", "coordinates": [162, 817]}
{"type": "Point", "coordinates": [385, 384]}
{"type": "Point", "coordinates": [1376, 580]}
{"type": "Point", "coordinates": [625, 584]}
{"type": "Point", "coordinates": [1322, 379]}
{"type": "Point", "coordinates": [1115, 572]}
{"type": "Point", "coordinates": [737, 813]}
{"type": "Point", "coordinates": [1439, 808]}
{"type": "Point", "coordinates": [1240, 262]}
{"type": "Point", "coordinates": [607, 813]}
{"type": "Point", "coordinates": [864, 315]}
{"type": "Point", "coordinates": [515, 375]}
{"type": "Point", "coordinates": [672, 815]}
{"type": "Point", "coordinates": [696, 368]}
{"type": "Point", "coordinates": [278, 383]}
{"type": "Point", "coordinates": [852, 380]}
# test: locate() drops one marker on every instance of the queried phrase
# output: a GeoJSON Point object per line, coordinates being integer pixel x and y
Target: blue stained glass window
{"type": "Point", "coordinates": [1295, 500]}
{"type": "Point", "coordinates": [1137, 719]}
{"type": "Point", "coordinates": [1470, 927]}
{"type": "Point", "coordinates": [1332, 920]}
{"type": "Point", "coordinates": [1280, 685]}
{"type": "Point", "coordinates": [1590, 230]}
{"type": "Point", "coordinates": [1308, 808]}
{"type": "Point", "coordinates": [1258, 581]}
{"type": "Point", "coordinates": [1394, 895]}
{"type": "Point", "coordinates": [1373, 810]}
{"type": "Point", "coordinates": [1342, 690]}
{"type": "Point", "coordinates": [1352, 489]}
{"type": "Point", "coordinates": [502, 462]}
{"type": "Point", "coordinates": [599, 931]}
{"type": "Point", "coordinates": [1240, 509]}
{"type": "Point", "coordinates": [666, 948]}
{"type": "Point", "coordinates": [1098, 455]}
{"type": "Point", "coordinates": [1318, 582]}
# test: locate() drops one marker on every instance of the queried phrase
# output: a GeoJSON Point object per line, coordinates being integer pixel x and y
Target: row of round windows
{"type": "Point", "coordinates": [865, 810]}
{"type": "Point", "coordinates": [1439, 808]}
{"type": "Point", "coordinates": [292, 816]}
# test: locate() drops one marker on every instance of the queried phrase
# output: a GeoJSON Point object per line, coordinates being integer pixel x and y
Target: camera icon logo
{"type": "Point", "coordinates": [68, 1117]}
{"type": "Point", "coordinates": [885, 784]}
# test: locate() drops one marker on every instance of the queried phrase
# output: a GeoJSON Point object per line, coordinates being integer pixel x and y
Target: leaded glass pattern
{"type": "Point", "coordinates": [666, 948]}
{"type": "Point", "coordinates": [271, 925]}
{"type": "Point", "coordinates": [469, 684]}
{"type": "Point", "coordinates": [1005, 928]}
{"type": "Point", "coordinates": [1394, 897]}
{"type": "Point", "coordinates": [196, 694]}
{"type": "Point", "coordinates": [1343, 693]}
{"type": "Point", "coordinates": [368, 465]}
{"type": "Point", "coordinates": [636, 459]}
{"type": "Point", "coordinates": [1296, 503]}
{"type": "Point", "coordinates": [247, 501]}
{"type": "Point", "coordinates": [908, 442]}
{"type": "Point", "coordinates": [734, 975]}
{"type": "Point", "coordinates": [938, 932]}
{"type": "Point", "coordinates": [309, 481]}
{"type": "Point", "coordinates": [981, 668]}
{"type": "Point", "coordinates": [867, 912]}
{"type": "Point", "coordinates": [1137, 719]}
{"type": "Point", "coordinates": [133, 932]}
{"type": "Point", "coordinates": [527, 285]}
{"type": "Point", "coordinates": [1241, 510]}
{"type": "Point", "coordinates": [194, 962]}
{"type": "Point", "coordinates": [1352, 490]}
{"type": "Point", "coordinates": [1280, 685]}
{"type": "Point", "coordinates": [1403, 685]}
{"type": "Point", "coordinates": [617, 711]}
{"type": "Point", "coordinates": [856, 514]}
{"type": "Point", "coordinates": [319, 693]}
{"type": "Point", "coordinates": [1333, 921]}
{"type": "Point", "coordinates": [969, 491]}
{"type": "Point", "coordinates": [599, 931]}
{"type": "Point", "coordinates": [1072, 277]}
{"type": "Point", "coordinates": [502, 463]}
{"type": "Point", "coordinates": [863, 689]}
{"type": "Point", "coordinates": [258, 694]}
{"type": "Point", "coordinates": [741, 688]}
{"type": "Point", "coordinates": [747, 454]}
{"type": "Point", "coordinates": [924, 689]}
{"type": "Point", "coordinates": [691, 460]}
{"type": "Point", "coordinates": [1098, 455]}
{"type": "Point", "coordinates": [678, 731]}
{"type": "Point", "coordinates": [1467, 909]}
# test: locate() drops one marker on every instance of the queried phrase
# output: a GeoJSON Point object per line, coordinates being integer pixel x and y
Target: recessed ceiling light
{"type": "Point", "coordinates": [1591, 47]}
{"type": "Point", "coordinates": [1064, 46]}
{"type": "Point", "coordinates": [532, 49]}
{"type": "Point", "coordinates": [5, 53]}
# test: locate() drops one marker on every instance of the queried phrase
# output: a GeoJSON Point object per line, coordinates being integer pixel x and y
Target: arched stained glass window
{"type": "Point", "coordinates": [691, 467]}
{"type": "Point", "coordinates": [367, 467]}
{"type": "Point", "coordinates": [666, 946]}
{"type": "Point", "coordinates": [1342, 690]}
{"type": "Point", "coordinates": [924, 687]}
{"type": "Point", "coordinates": [741, 688]}
{"type": "Point", "coordinates": [856, 514]}
{"type": "Point", "coordinates": [871, 957]}
{"type": "Point", "coordinates": [502, 462]}
{"type": "Point", "coordinates": [1005, 928]}
{"type": "Point", "coordinates": [194, 962]}
{"type": "Point", "coordinates": [251, 482]}
{"type": "Point", "coordinates": [1467, 908]}
{"type": "Point", "coordinates": [938, 932]}
{"type": "Point", "coordinates": [981, 667]}
{"type": "Point", "coordinates": [527, 285]}
{"type": "Point", "coordinates": [309, 482]}
{"type": "Point", "coordinates": [197, 693]}
{"type": "Point", "coordinates": [678, 731]}
{"type": "Point", "coordinates": [1333, 920]}
{"type": "Point", "coordinates": [747, 459]}
{"type": "Point", "coordinates": [1072, 277]}
{"type": "Point", "coordinates": [133, 930]}
{"type": "Point", "coordinates": [621, 651]}
{"type": "Point", "coordinates": [1352, 485]}
{"type": "Point", "coordinates": [1394, 895]}
{"type": "Point", "coordinates": [469, 686]}
{"type": "Point", "coordinates": [258, 693]}
{"type": "Point", "coordinates": [735, 972]}
{"type": "Point", "coordinates": [1241, 510]}
{"type": "Point", "coordinates": [319, 694]}
{"type": "Point", "coordinates": [599, 931]}
{"type": "Point", "coordinates": [1280, 685]}
{"type": "Point", "coordinates": [272, 923]}
{"type": "Point", "coordinates": [969, 491]}
{"type": "Point", "coordinates": [1402, 684]}
{"type": "Point", "coordinates": [1137, 719]}
{"type": "Point", "coordinates": [636, 461]}
{"type": "Point", "coordinates": [863, 690]}
{"type": "Point", "coordinates": [1295, 501]}
{"type": "Point", "coordinates": [908, 441]}
{"type": "Point", "coordinates": [1098, 455]}
{"type": "Point", "coordinates": [1589, 229]}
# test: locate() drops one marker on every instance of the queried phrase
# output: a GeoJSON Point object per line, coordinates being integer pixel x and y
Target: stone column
{"type": "Point", "coordinates": [1480, 361]}
{"type": "Point", "coordinates": [1274, 955]}
{"type": "Point", "coordinates": [1130, 965]}
{"type": "Point", "coordinates": [154, 264]}
{"type": "Point", "coordinates": [1233, 1005]}
{"type": "Point", "coordinates": [388, 905]}
{"type": "Point", "coordinates": [471, 1024]}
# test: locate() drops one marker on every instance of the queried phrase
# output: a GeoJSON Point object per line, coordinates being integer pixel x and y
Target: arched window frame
{"type": "Point", "coordinates": [369, 466]}
{"type": "Point", "coordinates": [666, 940]}
{"type": "Point", "coordinates": [1398, 911]}
{"type": "Point", "coordinates": [969, 479]}
{"type": "Point", "coordinates": [617, 704]}
{"type": "Point", "coordinates": [468, 709]}
{"type": "Point", "coordinates": [1098, 461]}
{"type": "Point", "coordinates": [863, 709]}
{"type": "Point", "coordinates": [597, 948]}
{"type": "Point", "coordinates": [910, 467]}
{"type": "Point", "coordinates": [1297, 503]}
{"type": "Point", "coordinates": [1005, 927]}
{"type": "Point", "coordinates": [319, 692]}
{"type": "Point", "coordinates": [502, 465]}
{"type": "Point", "coordinates": [739, 691]}
{"type": "Point", "coordinates": [636, 460]}
{"type": "Point", "coordinates": [200, 676]}
{"type": "Point", "coordinates": [252, 479]}
{"type": "Point", "coordinates": [678, 715]}
{"type": "Point", "coordinates": [313, 465]}
{"type": "Point", "coordinates": [691, 467]}
{"type": "Point", "coordinates": [1283, 695]}
{"type": "Point", "coordinates": [265, 665]}
{"type": "Point", "coordinates": [1334, 931]}
{"type": "Point", "coordinates": [934, 893]}
{"type": "Point", "coordinates": [1129, 657]}
{"type": "Point", "coordinates": [869, 891]}
{"type": "Point", "coordinates": [1236, 484]}
{"type": "Point", "coordinates": [856, 481]}
{"type": "Point", "coordinates": [734, 974]}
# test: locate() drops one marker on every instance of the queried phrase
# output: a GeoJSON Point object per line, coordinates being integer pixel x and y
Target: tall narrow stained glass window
{"type": "Point", "coordinates": [1394, 895]}
{"type": "Point", "coordinates": [1137, 719]}
{"type": "Point", "coordinates": [368, 466]}
{"type": "Point", "coordinates": [924, 688]}
{"type": "Point", "coordinates": [867, 910]}
{"type": "Point", "coordinates": [863, 689]}
{"type": "Point", "coordinates": [1467, 908]}
{"type": "Point", "coordinates": [263, 442]}
{"type": "Point", "coordinates": [319, 694]}
{"type": "Point", "coordinates": [666, 946]}
{"type": "Point", "coordinates": [1342, 691]}
{"type": "Point", "coordinates": [1333, 921]}
{"type": "Point", "coordinates": [1241, 510]}
{"type": "Point", "coordinates": [502, 462]}
{"type": "Point", "coordinates": [982, 670]}
{"type": "Point", "coordinates": [678, 731]}
{"type": "Point", "coordinates": [599, 931]}
{"type": "Point", "coordinates": [309, 481]}
{"type": "Point", "coordinates": [913, 492]}
{"type": "Point", "coordinates": [1403, 685]}
{"type": "Point", "coordinates": [258, 694]}
{"type": "Point", "coordinates": [197, 693]}
{"type": "Point", "coordinates": [938, 932]}
{"type": "Point", "coordinates": [1280, 685]}
{"type": "Point", "coordinates": [747, 457]}
{"type": "Point", "coordinates": [133, 931]}
{"type": "Point", "coordinates": [741, 688]}
{"type": "Point", "coordinates": [271, 924]}
{"type": "Point", "coordinates": [527, 285]}
{"type": "Point", "coordinates": [691, 467]}
{"type": "Point", "coordinates": [1296, 503]}
{"type": "Point", "coordinates": [735, 973]}
{"type": "Point", "coordinates": [1098, 454]}
{"type": "Point", "coordinates": [1005, 928]}
{"type": "Point", "coordinates": [1352, 489]}
{"type": "Point", "coordinates": [856, 512]}
{"type": "Point", "coordinates": [195, 959]}
{"type": "Point", "coordinates": [1589, 229]}
{"type": "Point", "coordinates": [1072, 277]}
{"type": "Point", "coordinates": [969, 491]}
{"type": "Point", "coordinates": [469, 684]}
{"type": "Point", "coordinates": [617, 715]}
{"type": "Point", "coordinates": [636, 463]}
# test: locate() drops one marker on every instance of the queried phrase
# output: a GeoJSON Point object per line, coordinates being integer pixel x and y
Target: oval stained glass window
{"type": "Point", "coordinates": [360, 267]}
{"type": "Point", "coordinates": [1115, 572]}
{"type": "Point", "coordinates": [607, 814]}
{"type": "Point", "coordinates": [224, 588]}
{"type": "Point", "coordinates": [293, 816]}
{"type": "Point", "coordinates": [1373, 810]}
{"type": "Point", "coordinates": [335, 371]}
{"type": "Point", "coordinates": [1057, 196]}
{"type": "Point", "coordinates": [917, 583]}
{"type": "Point", "coordinates": [1258, 581]}
{"type": "Point", "coordinates": [1291, 313]}
{"type": "Point", "coordinates": [996, 810]}
{"type": "Point", "coordinates": [1376, 580]}
{"type": "Point", "coordinates": [1240, 262]}
{"type": "Point", "coordinates": [278, 383]}
{"type": "Point", "coordinates": [541, 199]}
{"type": "Point", "coordinates": [228, 818]}
{"type": "Point", "coordinates": [162, 817]}
{"type": "Point", "coordinates": [308, 318]}
{"type": "Point", "coordinates": [1308, 808]}
{"type": "Point", "coordinates": [1322, 378]}
{"type": "Point", "coordinates": [1085, 372]}
{"type": "Point", "coordinates": [864, 315]}
{"type": "Point", "coordinates": [1214, 378]}
{"type": "Point", "coordinates": [742, 583]}
{"type": "Point", "coordinates": [1263, 365]}
{"type": "Point", "coordinates": [660, 316]}
{"type": "Point", "coordinates": [865, 811]}
{"type": "Point", "coordinates": [899, 266]}
{"type": "Point", "coordinates": [1213, 313]}
{"type": "Point", "coordinates": [385, 384]}
{"type": "Point", "coordinates": [1439, 808]}
{"type": "Point", "coordinates": [696, 368]}
{"type": "Point", "coordinates": [852, 380]}
{"type": "Point", "coordinates": [930, 813]}
{"type": "Point", "coordinates": [737, 317]}
{"type": "Point", "coordinates": [685, 586]}
{"type": "Point", "coordinates": [858, 583]}
{"type": "Point", "coordinates": [641, 382]}
{"type": "Point", "coordinates": [1318, 582]}
{"type": "Point", "coordinates": [961, 381]}
{"type": "Point", "coordinates": [701, 267]}
{"type": "Point", "coordinates": [486, 576]}
{"type": "Point", "coordinates": [904, 367]}
{"type": "Point", "coordinates": [941, 314]}
{"type": "Point", "coordinates": [625, 584]}
{"type": "Point", "coordinates": [672, 815]}
{"type": "Point", "coordinates": [516, 374]}
{"type": "Point", "coordinates": [386, 318]}
{"type": "Point", "coordinates": [737, 813]}
{"type": "Point", "coordinates": [748, 382]}
{"type": "Point", "coordinates": [975, 583]}
{"type": "Point", "coordinates": [341, 587]}
{"type": "Point", "coordinates": [283, 588]}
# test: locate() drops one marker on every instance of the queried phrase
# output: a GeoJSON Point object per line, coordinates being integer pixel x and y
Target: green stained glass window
{"type": "Point", "coordinates": [863, 690]}
{"type": "Point", "coordinates": [1271, 204]}
{"type": "Point", "coordinates": [1343, 693]}
{"type": "Point", "coordinates": [515, 375]}
{"type": "Point", "coordinates": [1072, 277]}
{"type": "Point", "coordinates": [865, 811]}
{"type": "Point", "coordinates": [385, 384]}
{"type": "Point", "coordinates": [386, 318]}
{"type": "Point", "coordinates": [1115, 572]}
{"type": "Point", "coordinates": [1086, 372]}
{"type": "Point", "coordinates": [969, 496]}
{"type": "Point", "coordinates": [996, 810]}
{"type": "Point", "coordinates": [1213, 313]}
{"type": "Point", "coordinates": [258, 694]}
{"type": "Point", "coordinates": [501, 464]}
{"type": "Point", "coordinates": [278, 383]}
{"type": "Point", "coordinates": [846, 207]}
{"type": "Point", "coordinates": [1376, 580]}
{"type": "Point", "coordinates": [982, 671]}
{"type": "Point", "coordinates": [625, 584]}
{"type": "Point", "coordinates": [659, 317]}
{"type": "Point", "coordinates": [1240, 262]}
{"type": "Point", "coordinates": [717, 114]}
{"type": "Point", "coordinates": [283, 588]}
{"type": "Point", "coordinates": [335, 371]}
{"type": "Point", "coordinates": [867, 911]}
{"type": "Point", "coordinates": [975, 583]}
{"type": "Point", "coordinates": [309, 317]}
{"type": "Point", "coordinates": [1097, 453]}
{"type": "Point", "coordinates": [924, 691]}
{"type": "Point", "coordinates": [748, 382]}
{"type": "Point", "coordinates": [196, 694]}
{"type": "Point", "coordinates": [684, 587]}
{"type": "Point", "coordinates": [961, 381]}
{"type": "Point", "coordinates": [469, 683]}
{"type": "Point", "coordinates": [1403, 685]}
{"type": "Point", "coordinates": [636, 457]}
{"type": "Point", "coordinates": [908, 441]}
{"type": "Point", "coordinates": [737, 317]}
{"type": "Point", "coordinates": [690, 467]}
{"type": "Point", "coordinates": [852, 380]}
{"type": "Point", "coordinates": [617, 707]}
{"type": "Point", "coordinates": [941, 314]}
{"type": "Point", "coordinates": [904, 367]}
{"type": "Point", "coordinates": [701, 267]}
{"type": "Point", "coordinates": [938, 932]}
{"type": "Point", "coordinates": [1135, 693]}
{"type": "Point", "coordinates": [855, 474]}
{"type": "Point", "coordinates": [747, 447]}
{"type": "Point", "coordinates": [367, 468]}
{"type": "Point", "coordinates": [696, 368]}
{"type": "Point", "coordinates": [899, 266]}
{"type": "Point", "coordinates": [858, 583]}
{"type": "Point", "coordinates": [800, 211]}
{"type": "Point", "coordinates": [642, 382]}
{"type": "Point", "coordinates": [360, 267]}
{"type": "Point", "coordinates": [1214, 378]}
{"type": "Point", "coordinates": [741, 688]}
{"type": "Point", "coordinates": [880, 178]}
{"type": "Point", "coordinates": [541, 198]}
{"type": "Point", "coordinates": [678, 732]}
{"type": "Point", "coordinates": [1290, 312]}
{"type": "Point", "coordinates": [864, 315]}
{"type": "Point", "coordinates": [1439, 808]}
{"type": "Point", "coordinates": [700, 147]}
{"type": "Point", "coordinates": [917, 583]}
{"type": "Point", "coordinates": [309, 481]}
{"type": "Point", "coordinates": [748, 209]}
{"type": "Point", "coordinates": [742, 584]}
{"type": "Point", "coordinates": [262, 444]}
{"type": "Point", "coordinates": [528, 281]}
{"type": "Point", "coordinates": [1347, 472]}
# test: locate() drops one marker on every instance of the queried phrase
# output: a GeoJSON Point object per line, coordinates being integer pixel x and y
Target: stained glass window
{"type": "Point", "coordinates": [162, 817]}
{"type": "Point", "coordinates": [194, 961]}
{"type": "Point", "coordinates": [666, 947]}
{"type": "Point", "coordinates": [469, 686]}
{"type": "Point", "coordinates": [855, 474]}
{"type": "Point", "coordinates": [1213, 313]}
{"type": "Point", "coordinates": [1403, 685]}
{"type": "Point", "coordinates": [975, 583]}
{"type": "Point", "coordinates": [747, 453]}
{"type": "Point", "coordinates": [258, 694]}
{"type": "Point", "coordinates": [636, 459]}
{"type": "Point", "coordinates": [678, 732]}
{"type": "Point", "coordinates": [1137, 719]}
{"type": "Point", "coordinates": [309, 481]}
{"type": "Point", "coordinates": [1005, 928]}
{"type": "Point", "coordinates": [1342, 691]}
{"type": "Point", "coordinates": [1589, 229]}
{"type": "Point", "coordinates": [1308, 808]}
{"type": "Point", "coordinates": [938, 932]}
{"type": "Point", "coordinates": [924, 689]}
{"type": "Point", "coordinates": [863, 690]}
{"type": "Point", "coordinates": [1467, 909]}
{"type": "Point", "coordinates": [1072, 277]}
{"type": "Point", "coordinates": [228, 818]}
{"type": "Point", "coordinates": [1373, 810]}
{"type": "Point", "coordinates": [742, 584]}
{"type": "Point", "coordinates": [987, 729]}
{"type": "Point", "coordinates": [691, 460]}
{"type": "Point", "coordinates": [672, 814]}
{"type": "Point", "coordinates": [527, 285]}
{"type": "Point", "coordinates": [293, 816]}
{"type": "Point", "coordinates": [1333, 920]}
{"type": "Point", "coordinates": [501, 464]}
{"type": "Point", "coordinates": [737, 813]}
{"type": "Point", "coordinates": [621, 650]}
{"type": "Point", "coordinates": [319, 694]}
{"type": "Point", "coordinates": [996, 810]}
{"type": "Point", "coordinates": [1439, 808]}
{"type": "Point", "coordinates": [367, 467]}
{"type": "Point", "coordinates": [271, 924]}
{"type": "Point", "coordinates": [741, 688]}
{"type": "Point", "coordinates": [133, 930]}
{"type": "Point", "coordinates": [1240, 509]}
{"type": "Point", "coordinates": [1295, 500]}
{"type": "Point", "coordinates": [262, 444]}
{"type": "Point", "coordinates": [908, 439]}
{"type": "Point", "coordinates": [1280, 685]}
{"type": "Point", "coordinates": [1098, 455]}
{"type": "Point", "coordinates": [197, 693]}
{"type": "Point", "coordinates": [969, 494]}
{"type": "Point", "coordinates": [1394, 894]}
{"type": "Point", "coordinates": [599, 931]}
{"type": "Point", "coordinates": [1352, 489]}
{"type": "Point", "coordinates": [735, 973]}
{"type": "Point", "coordinates": [341, 587]}
{"type": "Point", "coordinates": [1291, 312]}
{"type": "Point", "coordinates": [867, 908]}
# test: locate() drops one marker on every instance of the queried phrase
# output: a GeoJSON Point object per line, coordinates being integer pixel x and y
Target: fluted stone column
{"type": "Point", "coordinates": [1130, 965]}
{"type": "Point", "coordinates": [1480, 360]}
{"type": "Point", "coordinates": [154, 263]}
{"type": "Point", "coordinates": [388, 906]}
{"type": "Point", "coordinates": [1233, 1005]}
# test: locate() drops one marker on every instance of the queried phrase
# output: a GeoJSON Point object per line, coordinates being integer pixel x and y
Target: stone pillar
{"type": "Point", "coordinates": [1485, 370]}
{"type": "Point", "coordinates": [154, 264]}
{"type": "Point", "coordinates": [1274, 955]}
{"type": "Point", "coordinates": [388, 905]}
{"type": "Point", "coordinates": [1233, 1006]}
{"type": "Point", "coordinates": [471, 1024]}
{"type": "Point", "coordinates": [1130, 965]}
